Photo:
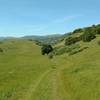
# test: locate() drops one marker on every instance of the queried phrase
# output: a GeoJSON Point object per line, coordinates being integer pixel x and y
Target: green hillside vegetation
{"type": "Point", "coordinates": [72, 74]}
{"type": "Point", "coordinates": [71, 43]}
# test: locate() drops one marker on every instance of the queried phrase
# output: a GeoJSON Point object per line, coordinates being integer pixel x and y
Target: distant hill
{"type": "Point", "coordinates": [57, 38]}
{"type": "Point", "coordinates": [48, 39]}
{"type": "Point", "coordinates": [3, 38]}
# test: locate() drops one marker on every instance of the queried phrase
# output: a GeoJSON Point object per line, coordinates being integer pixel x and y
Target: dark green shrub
{"type": "Point", "coordinates": [78, 30]}
{"type": "Point", "coordinates": [99, 43]}
{"type": "Point", "coordinates": [30, 39]}
{"type": "Point", "coordinates": [1, 42]}
{"type": "Point", "coordinates": [88, 36]}
{"type": "Point", "coordinates": [66, 49]}
{"type": "Point", "coordinates": [46, 49]}
{"type": "Point", "coordinates": [98, 30]}
{"type": "Point", "coordinates": [60, 51]}
{"type": "Point", "coordinates": [74, 51]}
{"type": "Point", "coordinates": [38, 43]}
{"type": "Point", "coordinates": [1, 50]}
{"type": "Point", "coordinates": [71, 40]}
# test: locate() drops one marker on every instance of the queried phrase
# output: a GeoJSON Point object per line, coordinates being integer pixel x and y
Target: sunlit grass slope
{"type": "Point", "coordinates": [27, 75]}
{"type": "Point", "coordinates": [21, 65]}
{"type": "Point", "coordinates": [81, 77]}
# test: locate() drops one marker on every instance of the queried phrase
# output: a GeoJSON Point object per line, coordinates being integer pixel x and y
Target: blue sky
{"type": "Point", "coordinates": [42, 17]}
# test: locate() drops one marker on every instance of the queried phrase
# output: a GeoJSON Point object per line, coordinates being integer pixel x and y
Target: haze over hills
{"type": "Point", "coordinates": [51, 39]}
{"type": "Point", "coordinates": [48, 39]}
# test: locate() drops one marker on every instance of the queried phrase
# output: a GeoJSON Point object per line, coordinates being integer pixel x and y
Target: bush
{"type": "Point", "coordinates": [46, 49]}
{"type": "Point", "coordinates": [98, 30]}
{"type": "Point", "coordinates": [66, 49]}
{"type": "Point", "coordinates": [38, 43]}
{"type": "Point", "coordinates": [71, 40]}
{"type": "Point", "coordinates": [78, 30]}
{"type": "Point", "coordinates": [1, 50]}
{"type": "Point", "coordinates": [59, 51]}
{"type": "Point", "coordinates": [77, 50]}
{"type": "Point", "coordinates": [88, 36]}
{"type": "Point", "coordinates": [99, 43]}
{"type": "Point", "coordinates": [30, 39]}
{"type": "Point", "coordinates": [1, 42]}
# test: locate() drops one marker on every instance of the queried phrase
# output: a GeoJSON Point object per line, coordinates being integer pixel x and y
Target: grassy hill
{"type": "Point", "coordinates": [20, 67]}
{"type": "Point", "coordinates": [25, 74]}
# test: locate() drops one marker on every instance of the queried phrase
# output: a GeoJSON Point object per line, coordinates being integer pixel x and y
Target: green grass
{"type": "Point", "coordinates": [27, 75]}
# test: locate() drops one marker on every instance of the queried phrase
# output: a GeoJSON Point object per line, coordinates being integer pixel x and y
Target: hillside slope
{"type": "Point", "coordinates": [27, 75]}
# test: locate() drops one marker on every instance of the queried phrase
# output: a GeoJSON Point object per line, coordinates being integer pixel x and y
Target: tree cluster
{"type": "Point", "coordinates": [46, 49]}
{"type": "Point", "coordinates": [71, 40]}
{"type": "Point", "coordinates": [79, 30]}
{"type": "Point", "coordinates": [88, 35]}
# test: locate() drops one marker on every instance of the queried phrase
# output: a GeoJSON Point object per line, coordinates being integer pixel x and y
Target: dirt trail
{"type": "Point", "coordinates": [33, 87]}
{"type": "Point", "coordinates": [55, 86]}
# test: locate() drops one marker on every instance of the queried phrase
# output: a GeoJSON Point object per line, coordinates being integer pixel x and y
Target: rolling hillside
{"type": "Point", "coordinates": [25, 74]}
{"type": "Point", "coordinates": [72, 74]}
